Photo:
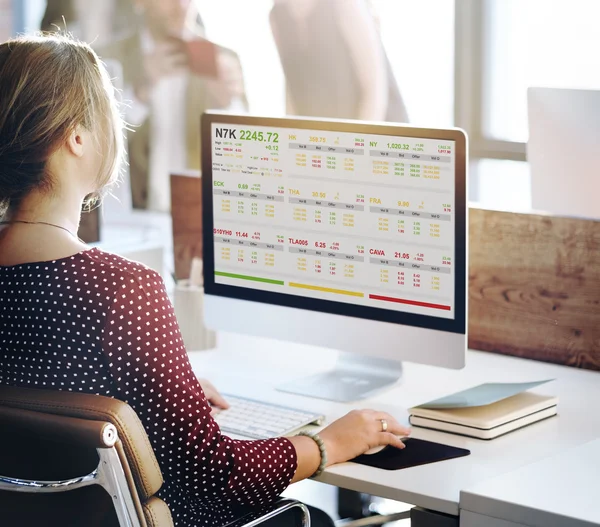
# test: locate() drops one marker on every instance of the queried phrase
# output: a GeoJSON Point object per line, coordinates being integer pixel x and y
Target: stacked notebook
{"type": "Point", "coordinates": [486, 411]}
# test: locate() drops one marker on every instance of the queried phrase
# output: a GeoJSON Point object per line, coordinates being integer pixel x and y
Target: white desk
{"type": "Point", "coordinates": [563, 489]}
{"type": "Point", "coordinates": [252, 367]}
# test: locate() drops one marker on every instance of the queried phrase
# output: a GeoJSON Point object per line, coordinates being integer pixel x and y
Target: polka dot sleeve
{"type": "Point", "coordinates": [152, 373]}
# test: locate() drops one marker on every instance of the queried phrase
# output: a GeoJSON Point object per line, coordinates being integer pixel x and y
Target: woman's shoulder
{"type": "Point", "coordinates": [119, 268]}
{"type": "Point", "coordinates": [129, 286]}
{"type": "Point", "coordinates": [89, 281]}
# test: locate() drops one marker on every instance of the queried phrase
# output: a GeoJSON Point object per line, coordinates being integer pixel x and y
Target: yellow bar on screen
{"type": "Point", "coordinates": [326, 289]}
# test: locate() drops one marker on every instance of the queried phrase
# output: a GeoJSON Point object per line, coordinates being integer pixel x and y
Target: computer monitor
{"type": "Point", "coordinates": [563, 151]}
{"type": "Point", "coordinates": [338, 234]}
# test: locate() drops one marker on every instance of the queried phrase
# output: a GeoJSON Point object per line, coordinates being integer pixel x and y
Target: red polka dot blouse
{"type": "Point", "coordinates": [98, 323]}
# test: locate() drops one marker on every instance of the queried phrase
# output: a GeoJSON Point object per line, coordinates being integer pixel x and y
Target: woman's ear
{"type": "Point", "coordinates": [76, 141]}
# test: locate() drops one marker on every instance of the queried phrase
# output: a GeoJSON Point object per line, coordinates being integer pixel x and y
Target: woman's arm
{"type": "Point", "coordinates": [365, 47]}
{"type": "Point", "coordinates": [152, 373]}
{"type": "Point", "coordinates": [308, 455]}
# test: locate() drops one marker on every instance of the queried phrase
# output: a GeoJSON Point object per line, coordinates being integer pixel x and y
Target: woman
{"type": "Point", "coordinates": [80, 319]}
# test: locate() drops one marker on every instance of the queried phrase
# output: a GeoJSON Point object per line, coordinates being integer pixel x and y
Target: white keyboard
{"type": "Point", "coordinates": [260, 420]}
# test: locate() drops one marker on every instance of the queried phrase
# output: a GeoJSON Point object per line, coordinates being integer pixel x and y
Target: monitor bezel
{"type": "Point", "coordinates": [455, 325]}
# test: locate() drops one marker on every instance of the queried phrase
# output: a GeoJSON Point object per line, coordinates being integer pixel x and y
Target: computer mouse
{"type": "Point", "coordinates": [377, 449]}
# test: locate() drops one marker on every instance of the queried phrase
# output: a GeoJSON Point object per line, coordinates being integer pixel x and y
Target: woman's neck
{"type": "Point", "coordinates": [32, 234]}
{"type": "Point", "coordinates": [61, 208]}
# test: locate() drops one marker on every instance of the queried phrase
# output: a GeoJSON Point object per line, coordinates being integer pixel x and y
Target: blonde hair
{"type": "Point", "coordinates": [49, 85]}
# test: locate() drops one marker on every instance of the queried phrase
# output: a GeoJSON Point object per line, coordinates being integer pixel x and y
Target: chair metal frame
{"type": "Point", "coordinates": [109, 474]}
{"type": "Point", "coordinates": [271, 511]}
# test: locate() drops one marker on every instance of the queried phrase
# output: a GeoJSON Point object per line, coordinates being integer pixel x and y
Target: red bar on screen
{"type": "Point", "coordinates": [409, 302]}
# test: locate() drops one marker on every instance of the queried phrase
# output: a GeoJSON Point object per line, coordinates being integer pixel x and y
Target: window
{"type": "Point", "coordinates": [504, 47]}
{"type": "Point", "coordinates": [546, 43]}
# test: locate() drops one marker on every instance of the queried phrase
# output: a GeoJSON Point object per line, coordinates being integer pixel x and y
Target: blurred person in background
{"type": "Point", "coordinates": [59, 15]}
{"type": "Point", "coordinates": [91, 21]}
{"type": "Point", "coordinates": [171, 76]}
{"type": "Point", "coordinates": [334, 61]}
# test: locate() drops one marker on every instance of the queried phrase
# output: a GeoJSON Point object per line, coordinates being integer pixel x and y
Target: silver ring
{"type": "Point", "coordinates": [384, 425]}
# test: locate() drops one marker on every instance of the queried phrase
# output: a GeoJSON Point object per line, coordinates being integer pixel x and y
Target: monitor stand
{"type": "Point", "coordinates": [354, 377]}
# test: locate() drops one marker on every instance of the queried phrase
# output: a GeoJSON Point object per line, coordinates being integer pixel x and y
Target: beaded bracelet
{"type": "Point", "coordinates": [322, 450]}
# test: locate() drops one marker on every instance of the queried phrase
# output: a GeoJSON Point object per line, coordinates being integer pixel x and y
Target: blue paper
{"type": "Point", "coordinates": [482, 395]}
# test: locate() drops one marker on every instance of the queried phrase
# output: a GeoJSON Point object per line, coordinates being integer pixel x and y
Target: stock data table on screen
{"type": "Point", "coordinates": [367, 220]}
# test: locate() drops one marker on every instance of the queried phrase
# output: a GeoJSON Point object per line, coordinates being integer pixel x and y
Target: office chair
{"type": "Point", "coordinates": [74, 459]}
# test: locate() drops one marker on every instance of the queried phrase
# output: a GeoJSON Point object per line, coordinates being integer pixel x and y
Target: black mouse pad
{"type": "Point", "coordinates": [417, 452]}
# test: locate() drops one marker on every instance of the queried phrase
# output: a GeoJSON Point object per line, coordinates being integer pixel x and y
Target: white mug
{"type": "Point", "coordinates": [189, 310]}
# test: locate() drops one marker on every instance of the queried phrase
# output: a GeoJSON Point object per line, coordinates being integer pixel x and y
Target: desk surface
{"type": "Point", "coordinates": [536, 495]}
{"type": "Point", "coordinates": [253, 367]}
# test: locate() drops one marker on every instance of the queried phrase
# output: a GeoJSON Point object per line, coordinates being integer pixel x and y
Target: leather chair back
{"type": "Point", "coordinates": [49, 435]}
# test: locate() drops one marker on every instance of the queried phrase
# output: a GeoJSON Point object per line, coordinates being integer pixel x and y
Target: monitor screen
{"type": "Point", "coordinates": [357, 221]}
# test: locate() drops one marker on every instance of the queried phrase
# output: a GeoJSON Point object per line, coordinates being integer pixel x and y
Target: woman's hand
{"type": "Point", "coordinates": [359, 431]}
{"type": "Point", "coordinates": [213, 396]}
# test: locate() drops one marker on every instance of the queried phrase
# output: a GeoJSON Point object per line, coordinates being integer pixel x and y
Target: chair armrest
{"type": "Point", "coordinates": [273, 510]}
{"type": "Point", "coordinates": [60, 428]}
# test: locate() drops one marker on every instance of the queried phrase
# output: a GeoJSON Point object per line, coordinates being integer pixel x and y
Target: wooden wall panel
{"type": "Point", "coordinates": [534, 287]}
{"type": "Point", "coordinates": [186, 211]}
{"type": "Point", "coordinates": [89, 226]}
